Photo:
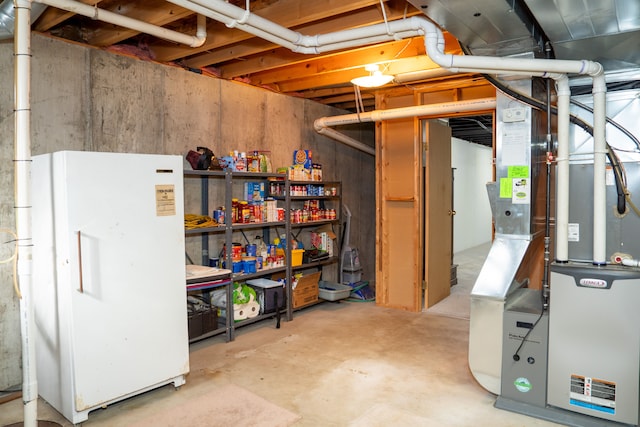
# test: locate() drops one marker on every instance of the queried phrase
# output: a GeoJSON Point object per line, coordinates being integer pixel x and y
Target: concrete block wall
{"type": "Point", "coordinates": [88, 99]}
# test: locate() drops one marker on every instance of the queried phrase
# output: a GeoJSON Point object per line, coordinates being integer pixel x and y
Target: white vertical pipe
{"type": "Point", "coordinates": [22, 182]}
{"type": "Point", "coordinates": [562, 176]}
{"type": "Point", "coordinates": [599, 170]}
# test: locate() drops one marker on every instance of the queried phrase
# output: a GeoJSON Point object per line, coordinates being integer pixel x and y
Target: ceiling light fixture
{"type": "Point", "coordinates": [374, 79]}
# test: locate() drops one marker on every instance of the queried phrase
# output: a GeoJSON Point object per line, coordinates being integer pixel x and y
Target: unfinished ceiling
{"type": "Point", "coordinates": [234, 54]}
{"type": "Point", "coordinates": [607, 31]}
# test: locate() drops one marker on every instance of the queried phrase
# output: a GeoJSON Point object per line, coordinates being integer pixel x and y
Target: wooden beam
{"type": "Point", "coordinates": [332, 91]}
{"type": "Point", "coordinates": [298, 65]}
{"type": "Point", "coordinates": [398, 57]}
{"type": "Point", "coordinates": [289, 82]}
{"type": "Point", "coordinates": [348, 99]}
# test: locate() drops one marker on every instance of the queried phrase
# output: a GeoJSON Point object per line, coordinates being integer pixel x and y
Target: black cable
{"type": "Point", "coordinates": [516, 356]}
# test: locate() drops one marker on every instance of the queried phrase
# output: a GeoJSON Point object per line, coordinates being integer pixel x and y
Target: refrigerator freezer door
{"type": "Point", "coordinates": [119, 274]}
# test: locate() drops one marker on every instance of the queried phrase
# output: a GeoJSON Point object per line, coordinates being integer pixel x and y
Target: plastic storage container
{"type": "Point", "coordinates": [270, 294]}
{"type": "Point", "coordinates": [296, 256]}
{"type": "Point", "coordinates": [331, 291]}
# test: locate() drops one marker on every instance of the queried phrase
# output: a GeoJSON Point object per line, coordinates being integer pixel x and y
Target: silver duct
{"type": "Point", "coordinates": [8, 19]}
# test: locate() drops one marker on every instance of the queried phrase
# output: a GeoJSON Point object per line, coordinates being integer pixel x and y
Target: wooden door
{"type": "Point", "coordinates": [438, 211]}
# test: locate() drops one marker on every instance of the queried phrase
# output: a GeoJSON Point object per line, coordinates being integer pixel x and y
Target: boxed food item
{"type": "Point", "coordinates": [323, 238]}
{"type": "Point", "coordinates": [299, 173]}
{"type": "Point", "coordinates": [254, 191]}
{"type": "Point", "coordinates": [305, 290]}
{"type": "Point", "coordinates": [302, 157]}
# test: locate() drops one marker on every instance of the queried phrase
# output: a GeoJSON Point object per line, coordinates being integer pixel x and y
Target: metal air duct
{"type": "Point", "coordinates": [8, 19]}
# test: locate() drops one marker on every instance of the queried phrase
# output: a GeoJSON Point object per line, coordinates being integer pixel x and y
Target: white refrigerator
{"type": "Point", "coordinates": [108, 277]}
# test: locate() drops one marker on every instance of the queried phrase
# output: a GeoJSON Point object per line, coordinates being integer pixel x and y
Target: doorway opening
{"type": "Point", "coordinates": [472, 166]}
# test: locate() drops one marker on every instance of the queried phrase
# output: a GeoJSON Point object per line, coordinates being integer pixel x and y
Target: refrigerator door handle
{"type": "Point", "coordinates": [79, 233]}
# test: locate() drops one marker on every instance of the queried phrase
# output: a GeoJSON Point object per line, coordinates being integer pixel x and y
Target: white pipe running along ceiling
{"type": "Point", "coordinates": [323, 124]}
{"type": "Point", "coordinates": [133, 24]}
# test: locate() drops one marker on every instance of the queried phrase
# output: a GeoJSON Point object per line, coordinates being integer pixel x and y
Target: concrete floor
{"type": "Point", "coordinates": [335, 364]}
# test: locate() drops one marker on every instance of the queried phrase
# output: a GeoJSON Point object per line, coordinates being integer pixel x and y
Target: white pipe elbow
{"type": "Point", "coordinates": [319, 124]}
{"type": "Point", "coordinates": [594, 69]}
{"type": "Point", "coordinates": [201, 32]}
{"type": "Point", "coordinates": [434, 44]}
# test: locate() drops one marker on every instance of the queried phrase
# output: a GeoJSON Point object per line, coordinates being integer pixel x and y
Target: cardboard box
{"type": "Point", "coordinates": [323, 238]}
{"type": "Point", "coordinates": [306, 290]}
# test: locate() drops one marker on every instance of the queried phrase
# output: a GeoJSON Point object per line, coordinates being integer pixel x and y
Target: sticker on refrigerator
{"type": "Point", "coordinates": [165, 200]}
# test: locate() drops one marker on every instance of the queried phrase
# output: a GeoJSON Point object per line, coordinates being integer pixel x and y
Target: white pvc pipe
{"type": "Point", "coordinates": [414, 76]}
{"type": "Point", "coordinates": [542, 74]}
{"type": "Point", "coordinates": [393, 30]}
{"type": "Point", "coordinates": [235, 17]}
{"type": "Point", "coordinates": [630, 262]}
{"type": "Point", "coordinates": [347, 140]}
{"type": "Point", "coordinates": [22, 162]}
{"type": "Point", "coordinates": [599, 170]}
{"type": "Point", "coordinates": [322, 125]}
{"type": "Point", "coordinates": [562, 171]}
{"type": "Point", "coordinates": [434, 42]}
{"type": "Point", "coordinates": [133, 24]}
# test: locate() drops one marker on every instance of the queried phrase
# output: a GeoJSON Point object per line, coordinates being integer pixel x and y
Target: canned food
{"type": "Point", "coordinates": [218, 216]}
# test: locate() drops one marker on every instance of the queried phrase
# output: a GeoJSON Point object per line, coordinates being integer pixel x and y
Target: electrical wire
{"type": "Point", "coordinates": [13, 258]}
{"type": "Point", "coordinates": [359, 103]}
{"type": "Point", "coordinates": [384, 15]}
{"type": "Point", "coordinates": [192, 221]}
{"type": "Point", "coordinates": [516, 356]}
